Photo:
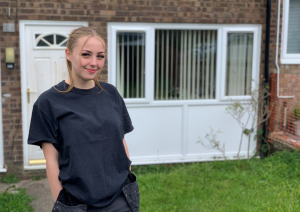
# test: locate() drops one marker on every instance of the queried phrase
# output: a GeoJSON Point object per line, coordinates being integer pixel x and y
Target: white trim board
{"type": "Point", "coordinates": [2, 165]}
{"type": "Point", "coordinates": [22, 26]}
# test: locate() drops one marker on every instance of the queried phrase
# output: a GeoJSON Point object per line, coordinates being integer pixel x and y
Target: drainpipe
{"type": "Point", "coordinates": [276, 57]}
{"type": "Point", "coordinates": [266, 82]}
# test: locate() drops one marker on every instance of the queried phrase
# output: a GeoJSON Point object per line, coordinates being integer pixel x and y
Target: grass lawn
{"type": "Point", "coordinates": [15, 202]}
{"type": "Point", "coordinates": [272, 184]}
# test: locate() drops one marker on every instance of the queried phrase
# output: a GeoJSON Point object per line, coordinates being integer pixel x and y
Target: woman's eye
{"type": "Point", "coordinates": [85, 55]}
{"type": "Point", "coordinates": [101, 56]}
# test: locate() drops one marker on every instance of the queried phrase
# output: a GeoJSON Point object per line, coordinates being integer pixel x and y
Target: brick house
{"type": "Point", "coordinates": [172, 61]}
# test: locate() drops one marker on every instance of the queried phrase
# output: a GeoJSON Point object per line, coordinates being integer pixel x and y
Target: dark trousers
{"type": "Point", "coordinates": [67, 203]}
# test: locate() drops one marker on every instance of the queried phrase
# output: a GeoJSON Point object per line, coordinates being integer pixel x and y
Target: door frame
{"type": "Point", "coordinates": [22, 27]}
{"type": "Point", "coordinates": [2, 165]}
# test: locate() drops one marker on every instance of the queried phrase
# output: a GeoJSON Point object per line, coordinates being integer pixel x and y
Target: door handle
{"type": "Point", "coordinates": [28, 94]}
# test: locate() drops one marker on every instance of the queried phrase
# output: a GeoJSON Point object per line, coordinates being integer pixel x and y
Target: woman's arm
{"type": "Point", "coordinates": [126, 149]}
{"type": "Point", "coordinates": [52, 168]}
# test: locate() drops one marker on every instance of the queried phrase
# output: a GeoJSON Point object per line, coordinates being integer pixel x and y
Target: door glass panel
{"type": "Point", "coordinates": [64, 44]}
{"type": "Point", "coordinates": [131, 64]}
{"type": "Point", "coordinates": [49, 38]}
{"type": "Point", "coordinates": [42, 43]}
{"type": "Point", "coordinates": [60, 39]}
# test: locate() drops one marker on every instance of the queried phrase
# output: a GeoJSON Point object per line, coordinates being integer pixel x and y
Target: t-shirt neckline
{"type": "Point", "coordinates": [79, 90]}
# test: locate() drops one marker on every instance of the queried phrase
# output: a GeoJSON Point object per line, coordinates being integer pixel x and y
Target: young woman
{"type": "Point", "coordinates": [80, 125]}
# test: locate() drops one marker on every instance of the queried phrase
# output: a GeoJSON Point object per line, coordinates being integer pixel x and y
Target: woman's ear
{"type": "Point", "coordinates": [68, 54]}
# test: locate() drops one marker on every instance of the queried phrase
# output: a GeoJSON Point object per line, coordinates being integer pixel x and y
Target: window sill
{"type": "Point", "coordinates": [290, 61]}
{"type": "Point", "coordinates": [3, 170]}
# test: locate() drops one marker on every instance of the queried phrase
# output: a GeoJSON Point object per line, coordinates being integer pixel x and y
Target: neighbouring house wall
{"type": "Point", "coordinates": [289, 79]}
{"type": "Point", "coordinates": [98, 13]}
{"type": "Point", "coordinates": [290, 70]}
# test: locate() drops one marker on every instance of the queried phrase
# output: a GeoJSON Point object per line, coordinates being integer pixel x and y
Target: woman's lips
{"type": "Point", "coordinates": [91, 70]}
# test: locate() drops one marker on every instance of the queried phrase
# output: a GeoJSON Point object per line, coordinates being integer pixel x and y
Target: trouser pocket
{"type": "Point", "coordinates": [132, 193]}
{"type": "Point", "coordinates": [62, 204]}
{"type": "Point", "coordinates": [59, 207]}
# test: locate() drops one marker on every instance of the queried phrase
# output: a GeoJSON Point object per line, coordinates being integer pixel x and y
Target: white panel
{"type": "Point", "coordinates": [2, 168]}
{"type": "Point", "coordinates": [201, 118]}
{"type": "Point", "coordinates": [157, 132]}
{"type": "Point", "coordinates": [40, 82]}
{"type": "Point", "coordinates": [42, 75]}
{"type": "Point", "coordinates": [62, 71]}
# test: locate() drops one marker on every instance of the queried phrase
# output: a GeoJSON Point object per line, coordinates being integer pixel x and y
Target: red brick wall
{"type": "Point", "coordinates": [289, 78]}
{"type": "Point", "coordinates": [98, 13]}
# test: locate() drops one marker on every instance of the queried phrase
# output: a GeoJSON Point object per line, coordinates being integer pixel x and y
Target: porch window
{"type": "Point", "coordinates": [168, 63]}
{"type": "Point", "coordinates": [131, 64]}
{"type": "Point", "coordinates": [290, 33]}
{"type": "Point", "coordinates": [239, 64]}
{"type": "Point", "coordinates": [185, 64]}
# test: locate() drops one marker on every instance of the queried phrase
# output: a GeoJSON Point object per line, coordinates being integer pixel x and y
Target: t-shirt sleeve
{"type": "Point", "coordinates": [127, 124]}
{"type": "Point", "coordinates": [42, 129]}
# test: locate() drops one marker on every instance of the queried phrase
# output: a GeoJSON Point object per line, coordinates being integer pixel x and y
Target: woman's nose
{"type": "Point", "coordinates": [93, 61]}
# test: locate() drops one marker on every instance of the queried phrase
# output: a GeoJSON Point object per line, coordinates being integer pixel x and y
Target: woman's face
{"type": "Point", "coordinates": [87, 60]}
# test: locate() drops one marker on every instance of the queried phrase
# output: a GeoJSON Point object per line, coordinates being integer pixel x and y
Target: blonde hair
{"type": "Point", "coordinates": [71, 43]}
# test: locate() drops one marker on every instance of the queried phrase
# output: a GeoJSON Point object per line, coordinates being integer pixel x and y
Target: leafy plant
{"type": "Point", "coordinates": [255, 111]}
{"type": "Point", "coordinates": [37, 178]}
{"type": "Point", "coordinates": [296, 113]}
{"type": "Point", "coordinates": [213, 142]}
{"type": "Point", "coordinates": [18, 202]}
{"type": "Point", "coordinates": [10, 179]}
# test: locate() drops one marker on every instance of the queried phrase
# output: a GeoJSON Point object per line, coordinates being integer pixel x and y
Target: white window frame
{"type": "Point", "coordinates": [149, 30]}
{"type": "Point", "coordinates": [255, 59]}
{"type": "Point", "coordinates": [285, 57]}
{"type": "Point", "coordinates": [112, 68]}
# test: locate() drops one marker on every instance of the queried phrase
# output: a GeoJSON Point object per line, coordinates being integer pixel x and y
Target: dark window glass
{"type": "Point", "coordinates": [60, 39]}
{"type": "Point", "coordinates": [49, 38]}
{"type": "Point", "coordinates": [64, 44]}
{"type": "Point", "coordinates": [42, 43]}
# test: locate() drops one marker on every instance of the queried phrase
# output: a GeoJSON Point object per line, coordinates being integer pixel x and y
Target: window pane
{"type": "Point", "coordinates": [185, 64]}
{"type": "Point", "coordinates": [239, 64]}
{"type": "Point", "coordinates": [293, 46]}
{"type": "Point", "coordinates": [131, 64]}
{"type": "Point", "coordinates": [49, 38]}
{"type": "Point", "coordinates": [42, 43]}
{"type": "Point", "coordinates": [64, 44]}
{"type": "Point", "coordinates": [60, 39]}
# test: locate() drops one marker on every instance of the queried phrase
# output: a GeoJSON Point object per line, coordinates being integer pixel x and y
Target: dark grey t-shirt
{"type": "Point", "coordinates": [87, 128]}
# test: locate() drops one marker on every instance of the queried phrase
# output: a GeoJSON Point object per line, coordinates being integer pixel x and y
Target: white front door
{"type": "Point", "coordinates": [45, 67]}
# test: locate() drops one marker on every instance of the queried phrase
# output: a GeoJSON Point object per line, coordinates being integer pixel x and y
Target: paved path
{"type": "Point", "coordinates": [39, 189]}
